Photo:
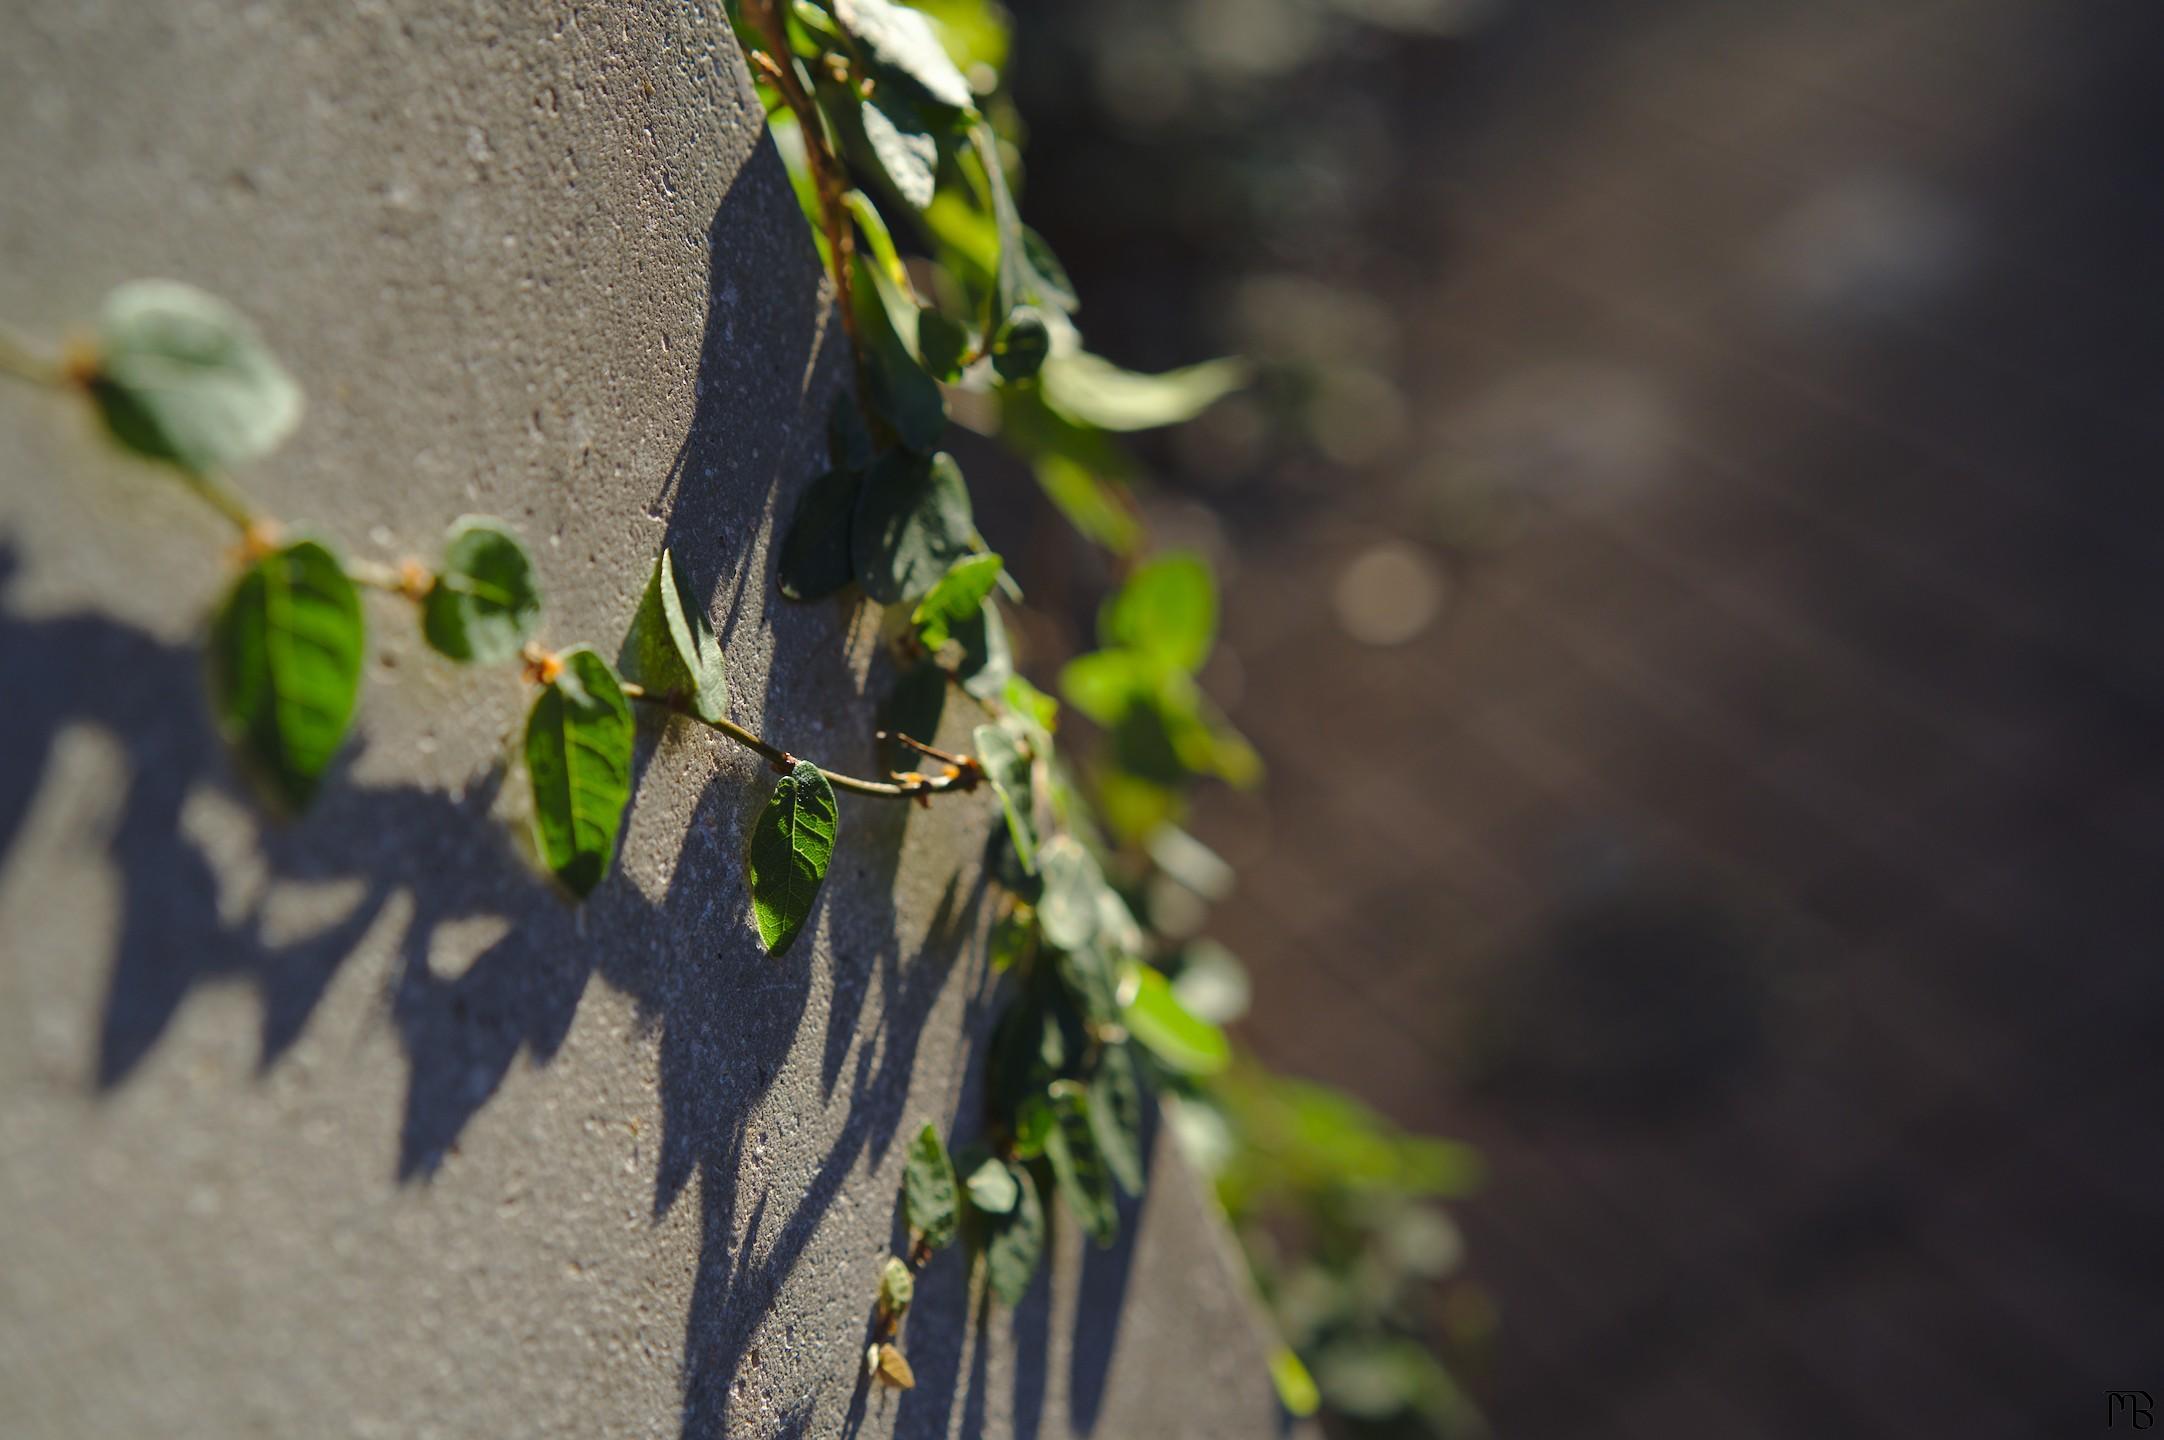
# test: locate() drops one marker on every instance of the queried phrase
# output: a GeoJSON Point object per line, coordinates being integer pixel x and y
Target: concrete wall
{"type": "Point", "coordinates": [350, 1126]}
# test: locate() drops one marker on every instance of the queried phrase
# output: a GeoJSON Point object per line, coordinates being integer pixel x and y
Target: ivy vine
{"type": "Point", "coordinates": [891, 124]}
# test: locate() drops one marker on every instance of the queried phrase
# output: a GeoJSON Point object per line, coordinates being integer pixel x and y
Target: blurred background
{"type": "Point", "coordinates": [1689, 571]}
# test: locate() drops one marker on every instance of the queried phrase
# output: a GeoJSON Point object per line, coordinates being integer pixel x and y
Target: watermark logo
{"type": "Point", "coordinates": [2129, 1410]}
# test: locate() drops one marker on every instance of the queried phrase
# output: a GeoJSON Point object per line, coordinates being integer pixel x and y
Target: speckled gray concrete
{"type": "Point", "coordinates": [350, 1126]}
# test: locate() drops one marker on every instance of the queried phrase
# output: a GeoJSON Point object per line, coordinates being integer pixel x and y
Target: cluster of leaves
{"type": "Point", "coordinates": [180, 377]}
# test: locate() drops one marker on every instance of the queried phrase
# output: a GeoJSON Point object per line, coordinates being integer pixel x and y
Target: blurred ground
{"type": "Point", "coordinates": [1738, 811]}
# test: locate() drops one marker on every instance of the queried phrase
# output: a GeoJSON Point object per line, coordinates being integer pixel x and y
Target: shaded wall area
{"type": "Point", "coordinates": [1754, 853]}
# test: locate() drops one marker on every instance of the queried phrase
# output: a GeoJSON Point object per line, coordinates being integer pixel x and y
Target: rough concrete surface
{"type": "Point", "coordinates": [350, 1125]}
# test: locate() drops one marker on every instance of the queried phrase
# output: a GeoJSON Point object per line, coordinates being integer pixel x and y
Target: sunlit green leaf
{"type": "Point", "coordinates": [486, 599]}
{"type": "Point", "coordinates": [1012, 776]}
{"type": "Point", "coordinates": [787, 859]}
{"type": "Point", "coordinates": [1104, 683]}
{"type": "Point", "coordinates": [974, 31]}
{"type": "Point", "coordinates": [1077, 1167]}
{"type": "Point", "coordinates": [897, 1287]}
{"type": "Point", "coordinates": [1094, 391]}
{"type": "Point", "coordinates": [987, 1181]}
{"type": "Point", "coordinates": [929, 1190]}
{"type": "Point", "coordinates": [672, 649]}
{"type": "Point", "coordinates": [1116, 1115]}
{"type": "Point", "coordinates": [901, 39]}
{"type": "Point", "coordinates": [1015, 1242]}
{"type": "Point", "coordinates": [904, 147]}
{"type": "Point", "coordinates": [957, 596]}
{"type": "Point", "coordinates": [912, 522]}
{"type": "Point", "coordinates": [815, 560]}
{"type": "Point", "coordinates": [1295, 1387]}
{"type": "Point", "coordinates": [1212, 984]}
{"type": "Point", "coordinates": [1180, 1040]}
{"type": "Point", "coordinates": [184, 377]}
{"type": "Point", "coordinates": [285, 666]}
{"type": "Point", "coordinates": [1033, 1121]}
{"type": "Point", "coordinates": [1068, 913]}
{"type": "Point", "coordinates": [1096, 507]}
{"type": "Point", "coordinates": [1167, 610]}
{"type": "Point", "coordinates": [578, 758]}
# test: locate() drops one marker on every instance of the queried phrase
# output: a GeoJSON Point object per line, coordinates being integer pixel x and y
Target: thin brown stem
{"type": "Point", "coordinates": [826, 170]}
{"type": "Point", "coordinates": [959, 777]}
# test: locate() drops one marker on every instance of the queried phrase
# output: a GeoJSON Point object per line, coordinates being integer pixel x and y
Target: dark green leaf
{"type": "Point", "coordinates": [986, 664]}
{"type": "Point", "coordinates": [1181, 1041]}
{"type": "Point", "coordinates": [898, 38]}
{"type": "Point", "coordinates": [1014, 936]}
{"type": "Point", "coordinates": [1077, 1167]}
{"type": "Point", "coordinates": [912, 708]}
{"type": "Point", "coordinates": [987, 1181]}
{"type": "Point", "coordinates": [285, 666]}
{"type": "Point", "coordinates": [578, 757]}
{"type": "Point", "coordinates": [849, 444]}
{"type": "Point", "coordinates": [1020, 346]}
{"type": "Point", "coordinates": [1015, 1243]}
{"type": "Point", "coordinates": [1052, 280]}
{"type": "Point", "coordinates": [929, 1192]}
{"type": "Point", "coordinates": [486, 599]}
{"type": "Point", "coordinates": [941, 344]}
{"type": "Point", "coordinates": [672, 649]}
{"type": "Point", "coordinates": [788, 855]}
{"type": "Point", "coordinates": [1167, 610]}
{"type": "Point", "coordinates": [1116, 1115]}
{"type": "Point", "coordinates": [957, 596]}
{"type": "Point", "coordinates": [1087, 974]}
{"type": "Point", "coordinates": [1012, 776]}
{"type": "Point", "coordinates": [912, 522]}
{"type": "Point", "coordinates": [183, 377]}
{"type": "Point", "coordinates": [815, 560]}
{"type": "Point", "coordinates": [897, 387]}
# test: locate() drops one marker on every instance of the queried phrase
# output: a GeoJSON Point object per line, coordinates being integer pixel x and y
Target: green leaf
{"type": "Point", "coordinates": [788, 855]}
{"type": "Point", "coordinates": [1020, 346]}
{"type": "Point", "coordinates": [958, 595]}
{"type": "Point", "coordinates": [1295, 1387]}
{"type": "Point", "coordinates": [900, 39]}
{"type": "Point", "coordinates": [929, 1192]}
{"type": "Point", "coordinates": [1193, 864]}
{"type": "Point", "coordinates": [486, 599]}
{"type": "Point", "coordinates": [1013, 781]}
{"type": "Point", "coordinates": [896, 386]}
{"type": "Point", "coordinates": [1116, 1115]}
{"type": "Point", "coordinates": [912, 522]}
{"type": "Point", "coordinates": [285, 666]}
{"type": "Point", "coordinates": [1167, 610]}
{"type": "Point", "coordinates": [672, 649]}
{"type": "Point", "coordinates": [904, 147]}
{"type": "Point", "coordinates": [1027, 275]}
{"type": "Point", "coordinates": [1068, 914]}
{"type": "Point", "coordinates": [988, 1182]}
{"type": "Point", "coordinates": [1033, 1121]}
{"type": "Point", "coordinates": [1212, 984]}
{"type": "Point", "coordinates": [1040, 710]}
{"type": "Point", "coordinates": [815, 560]}
{"type": "Point", "coordinates": [1091, 390]}
{"type": "Point", "coordinates": [578, 757]}
{"type": "Point", "coordinates": [941, 344]}
{"type": "Point", "coordinates": [1014, 935]}
{"type": "Point", "coordinates": [1096, 507]}
{"type": "Point", "coordinates": [1077, 1167]}
{"type": "Point", "coordinates": [1102, 684]}
{"type": "Point", "coordinates": [897, 1287]}
{"type": "Point", "coordinates": [1179, 1039]}
{"type": "Point", "coordinates": [1015, 1243]}
{"type": "Point", "coordinates": [986, 664]}
{"type": "Point", "coordinates": [849, 443]}
{"type": "Point", "coordinates": [183, 377]}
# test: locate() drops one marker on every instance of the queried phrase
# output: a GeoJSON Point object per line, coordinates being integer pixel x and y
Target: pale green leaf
{"type": "Point", "coordinates": [988, 1182]}
{"type": "Point", "coordinates": [578, 758]}
{"type": "Point", "coordinates": [957, 596]}
{"type": "Point", "coordinates": [285, 666]}
{"type": "Point", "coordinates": [1012, 775]}
{"type": "Point", "coordinates": [1091, 390]}
{"type": "Point", "coordinates": [184, 377]}
{"type": "Point", "coordinates": [672, 649]}
{"type": "Point", "coordinates": [787, 859]}
{"type": "Point", "coordinates": [1167, 610]}
{"type": "Point", "coordinates": [929, 1191]}
{"type": "Point", "coordinates": [1068, 913]}
{"type": "Point", "coordinates": [1015, 1243]}
{"type": "Point", "coordinates": [904, 147]}
{"type": "Point", "coordinates": [986, 663]}
{"type": "Point", "coordinates": [486, 599]}
{"type": "Point", "coordinates": [1115, 1113]}
{"type": "Point", "coordinates": [897, 1287]}
{"type": "Point", "coordinates": [900, 39]}
{"type": "Point", "coordinates": [1182, 1041]}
